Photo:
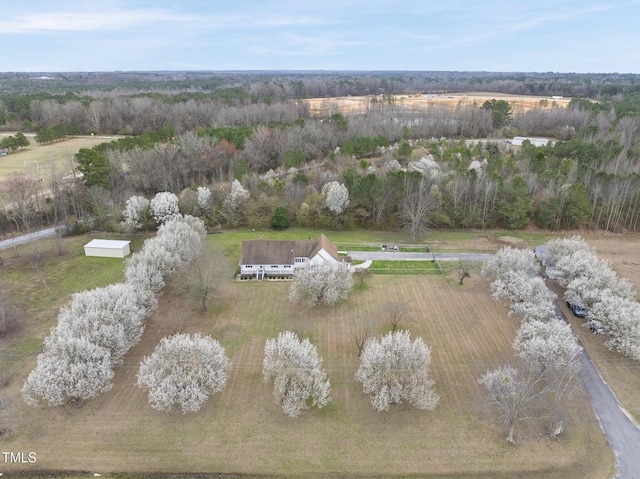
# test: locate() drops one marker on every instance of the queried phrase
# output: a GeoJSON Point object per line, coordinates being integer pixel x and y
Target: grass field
{"type": "Point", "coordinates": [37, 158]}
{"type": "Point", "coordinates": [404, 267]}
{"type": "Point", "coordinates": [242, 430]}
{"type": "Point", "coordinates": [38, 288]}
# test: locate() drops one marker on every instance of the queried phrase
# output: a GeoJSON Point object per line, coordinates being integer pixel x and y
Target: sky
{"type": "Point", "coordinates": [582, 36]}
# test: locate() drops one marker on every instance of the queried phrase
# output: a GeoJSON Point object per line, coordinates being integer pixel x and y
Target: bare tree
{"type": "Point", "coordinates": [394, 312]}
{"type": "Point", "coordinates": [417, 206]}
{"type": "Point", "coordinates": [530, 397]}
{"type": "Point", "coordinates": [361, 327]}
{"type": "Point", "coordinates": [361, 276]}
{"type": "Point", "coordinates": [260, 150]}
{"type": "Point", "coordinates": [19, 192]}
{"type": "Point", "coordinates": [7, 312]}
{"type": "Point", "coordinates": [463, 269]}
{"type": "Point", "coordinates": [203, 277]}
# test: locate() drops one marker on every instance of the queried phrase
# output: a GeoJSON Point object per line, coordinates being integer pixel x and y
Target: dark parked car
{"type": "Point", "coordinates": [577, 309]}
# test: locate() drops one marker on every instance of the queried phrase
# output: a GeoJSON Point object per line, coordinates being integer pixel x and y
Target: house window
{"type": "Point", "coordinates": [274, 266]}
{"type": "Point", "coordinates": [248, 266]}
{"type": "Point", "coordinates": [287, 266]}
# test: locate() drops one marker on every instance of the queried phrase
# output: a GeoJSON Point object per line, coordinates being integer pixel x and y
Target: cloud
{"type": "Point", "coordinates": [77, 21]}
{"type": "Point", "coordinates": [120, 19]}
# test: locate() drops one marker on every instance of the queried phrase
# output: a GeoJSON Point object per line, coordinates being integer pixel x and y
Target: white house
{"type": "Point", "coordinates": [107, 248]}
{"type": "Point", "coordinates": [281, 258]}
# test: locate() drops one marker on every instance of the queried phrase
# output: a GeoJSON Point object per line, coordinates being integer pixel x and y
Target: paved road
{"type": "Point", "coordinates": [18, 240]}
{"type": "Point", "coordinates": [623, 435]}
{"type": "Point", "coordinates": [402, 256]}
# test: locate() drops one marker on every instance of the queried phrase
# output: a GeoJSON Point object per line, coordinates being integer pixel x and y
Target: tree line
{"type": "Point", "coordinates": [402, 168]}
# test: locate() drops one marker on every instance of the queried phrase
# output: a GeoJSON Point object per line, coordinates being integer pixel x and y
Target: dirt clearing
{"type": "Point", "coordinates": [354, 104]}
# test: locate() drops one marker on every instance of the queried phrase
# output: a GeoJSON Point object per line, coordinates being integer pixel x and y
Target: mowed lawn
{"type": "Point", "coordinates": [242, 430]}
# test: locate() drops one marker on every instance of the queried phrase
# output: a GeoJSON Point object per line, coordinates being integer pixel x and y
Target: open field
{"type": "Point", "coordinates": [38, 288]}
{"type": "Point", "coordinates": [353, 104]}
{"type": "Point", "coordinates": [37, 157]}
{"type": "Point", "coordinates": [242, 430]}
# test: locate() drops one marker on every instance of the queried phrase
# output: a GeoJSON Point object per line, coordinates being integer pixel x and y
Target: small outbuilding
{"type": "Point", "coordinates": [107, 248]}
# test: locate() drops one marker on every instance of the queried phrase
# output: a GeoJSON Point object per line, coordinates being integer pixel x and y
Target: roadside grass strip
{"type": "Point", "coordinates": [405, 267]}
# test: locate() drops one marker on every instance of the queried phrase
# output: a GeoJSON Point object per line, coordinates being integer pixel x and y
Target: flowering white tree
{"type": "Point", "coordinates": [203, 197]}
{"type": "Point", "coordinates": [392, 165]}
{"type": "Point", "coordinates": [182, 235]}
{"type": "Point", "coordinates": [550, 344]}
{"type": "Point", "coordinates": [135, 212]}
{"type": "Point", "coordinates": [178, 241]}
{"type": "Point", "coordinates": [111, 317]}
{"type": "Point", "coordinates": [592, 283]}
{"type": "Point", "coordinates": [588, 285]}
{"type": "Point", "coordinates": [578, 263]}
{"type": "Point", "coordinates": [518, 287]}
{"type": "Point", "coordinates": [70, 368]}
{"type": "Point", "coordinates": [101, 325]}
{"type": "Point", "coordinates": [559, 248]}
{"type": "Point", "coordinates": [336, 197]}
{"type": "Point", "coordinates": [323, 283]}
{"type": "Point", "coordinates": [148, 268]}
{"type": "Point", "coordinates": [534, 393]}
{"type": "Point", "coordinates": [395, 368]}
{"type": "Point", "coordinates": [234, 203]}
{"type": "Point", "coordinates": [530, 298]}
{"type": "Point", "coordinates": [92, 335]}
{"type": "Point", "coordinates": [184, 370]}
{"type": "Point", "coordinates": [164, 206]}
{"type": "Point", "coordinates": [620, 318]}
{"type": "Point", "coordinates": [512, 259]}
{"type": "Point", "coordinates": [425, 166]}
{"type": "Point", "coordinates": [296, 369]}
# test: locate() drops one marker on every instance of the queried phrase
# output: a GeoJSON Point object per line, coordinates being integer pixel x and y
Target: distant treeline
{"type": "Point", "coordinates": [98, 102]}
{"type": "Point", "coordinates": [403, 168]}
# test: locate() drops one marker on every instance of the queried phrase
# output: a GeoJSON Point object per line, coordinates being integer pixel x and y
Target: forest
{"type": "Point", "coordinates": [412, 168]}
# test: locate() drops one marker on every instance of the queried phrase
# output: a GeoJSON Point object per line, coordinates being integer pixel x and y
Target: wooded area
{"type": "Point", "coordinates": [403, 167]}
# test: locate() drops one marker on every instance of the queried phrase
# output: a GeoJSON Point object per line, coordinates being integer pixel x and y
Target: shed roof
{"type": "Point", "coordinates": [109, 244]}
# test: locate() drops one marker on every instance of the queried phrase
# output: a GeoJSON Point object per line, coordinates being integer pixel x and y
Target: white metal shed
{"type": "Point", "coordinates": [107, 248]}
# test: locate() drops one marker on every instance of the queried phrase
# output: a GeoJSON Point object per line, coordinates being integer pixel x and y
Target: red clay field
{"type": "Point", "coordinates": [242, 430]}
